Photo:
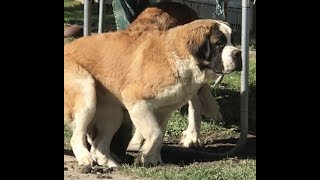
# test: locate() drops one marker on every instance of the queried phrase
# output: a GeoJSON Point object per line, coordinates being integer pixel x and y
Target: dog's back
{"type": "Point", "coordinates": [163, 16]}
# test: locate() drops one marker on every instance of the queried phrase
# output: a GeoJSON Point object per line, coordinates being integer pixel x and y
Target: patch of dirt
{"type": "Point", "coordinates": [73, 172]}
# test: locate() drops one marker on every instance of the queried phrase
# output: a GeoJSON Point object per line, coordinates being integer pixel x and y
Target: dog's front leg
{"type": "Point", "coordinates": [191, 136]}
{"type": "Point", "coordinates": [135, 142]}
{"type": "Point", "coordinates": [202, 103]}
{"type": "Point", "coordinates": [145, 121]}
{"type": "Point", "coordinates": [137, 139]}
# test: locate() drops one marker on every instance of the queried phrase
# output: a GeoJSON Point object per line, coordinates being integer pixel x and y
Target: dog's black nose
{"type": "Point", "coordinates": [236, 55]}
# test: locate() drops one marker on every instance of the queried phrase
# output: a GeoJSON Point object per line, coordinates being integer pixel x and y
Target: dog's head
{"type": "Point", "coordinates": [210, 42]}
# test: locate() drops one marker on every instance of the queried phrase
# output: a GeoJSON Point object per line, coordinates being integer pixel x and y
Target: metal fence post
{"type": "Point", "coordinates": [101, 15]}
{"type": "Point", "coordinates": [87, 18]}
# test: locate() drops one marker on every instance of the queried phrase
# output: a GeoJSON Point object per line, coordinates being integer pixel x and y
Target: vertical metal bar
{"type": "Point", "coordinates": [101, 15]}
{"type": "Point", "coordinates": [87, 18]}
{"type": "Point", "coordinates": [245, 29]}
{"type": "Point", "coordinates": [225, 10]}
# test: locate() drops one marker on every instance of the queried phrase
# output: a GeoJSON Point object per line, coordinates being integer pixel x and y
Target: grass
{"type": "Point", "coordinates": [228, 96]}
{"type": "Point", "coordinates": [67, 137]}
{"type": "Point", "coordinates": [73, 14]}
{"type": "Point", "coordinates": [222, 170]}
{"type": "Point", "coordinates": [179, 121]}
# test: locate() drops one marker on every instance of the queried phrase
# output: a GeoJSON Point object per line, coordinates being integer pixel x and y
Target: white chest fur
{"type": "Point", "coordinates": [189, 80]}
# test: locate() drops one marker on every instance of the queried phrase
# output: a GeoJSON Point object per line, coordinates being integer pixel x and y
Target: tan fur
{"type": "Point", "coordinates": [138, 78]}
{"type": "Point", "coordinates": [150, 74]}
{"type": "Point", "coordinates": [140, 70]}
{"type": "Point", "coordinates": [162, 17]}
{"type": "Point", "coordinates": [79, 107]}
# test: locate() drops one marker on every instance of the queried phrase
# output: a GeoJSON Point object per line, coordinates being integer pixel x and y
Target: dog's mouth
{"type": "Point", "coordinates": [204, 64]}
{"type": "Point", "coordinates": [217, 69]}
{"type": "Point", "coordinates": [207, 65]}
{"type": "Point", "coordinates": [219, 72]}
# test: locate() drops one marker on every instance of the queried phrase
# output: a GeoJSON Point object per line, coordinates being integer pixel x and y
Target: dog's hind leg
{"type": "Point", "coordinates": [108, 120]}
{"type": "Point", "coordinates": [80, 105]}
{"type": "Point", "coordinates": [121, 139]}
{"type": "Point", "coordinates": [163, 118]}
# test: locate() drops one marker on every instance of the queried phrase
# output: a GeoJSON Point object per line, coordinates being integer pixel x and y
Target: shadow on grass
{"type": "Point", "coordinates": [174, 154]}
{"type": "Point", "coordinates": [184, 156]}
{"type": "Point", "coordinates": [229, 101]}
{"type": "Point", "coordinates": [230, 107]}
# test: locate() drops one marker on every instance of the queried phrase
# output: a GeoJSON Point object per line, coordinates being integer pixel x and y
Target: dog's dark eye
{"type": "Point", "coordinates": [219, 43]}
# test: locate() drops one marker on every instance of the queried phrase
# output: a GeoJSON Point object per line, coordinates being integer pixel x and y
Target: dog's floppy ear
{"type": "Point", "coordinates": [198, 37]}
{"type": "Point", "coordinates": [204, 51]}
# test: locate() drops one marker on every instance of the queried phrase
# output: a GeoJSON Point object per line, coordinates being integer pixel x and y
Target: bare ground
{"type": "Point", "coordinates": [73, 172]}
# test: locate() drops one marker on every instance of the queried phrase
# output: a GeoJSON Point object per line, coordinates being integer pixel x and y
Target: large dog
{"type": "Point", "coordinates": [162, 17]}
{"type": "Point", "coordinates": [150, 74]}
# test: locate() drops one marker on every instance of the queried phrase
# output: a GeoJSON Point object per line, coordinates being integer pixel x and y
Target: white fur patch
{"type": "Point", "coordinates": [227, 60]}
{"type": "Point", "coordinates": [191, 136]}
{"type": "Point", "coordinates": [189, 80]}
{"type": "Point", "coordinates": [82, 118]}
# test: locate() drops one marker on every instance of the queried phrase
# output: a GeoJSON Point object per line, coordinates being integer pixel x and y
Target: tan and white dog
{"type": "Point", "coordinates": [150, 74]}
{"type": "Point", "coordinates": [162, 17]}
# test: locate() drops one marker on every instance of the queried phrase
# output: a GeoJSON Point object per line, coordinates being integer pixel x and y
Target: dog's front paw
{"type": "Point", "coordinates": [148, 160]}
{"type": "Point", "coordinates": [190, 139]}
{"type": "Point", "coordinates": [134, 147]}
{"type": "Point", "coordinates": [107, 162]}
{"type": "Point", "coordinates": [86, 159]}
